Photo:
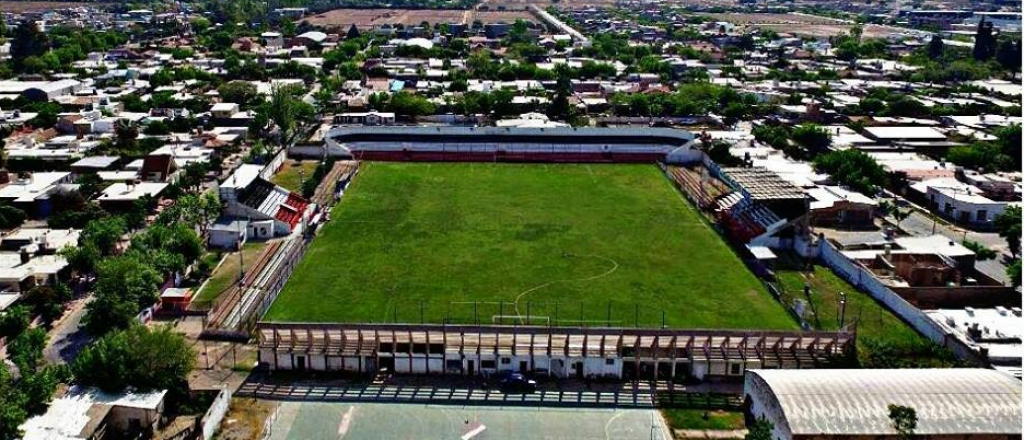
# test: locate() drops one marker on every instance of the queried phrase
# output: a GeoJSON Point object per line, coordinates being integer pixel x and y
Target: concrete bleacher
{"type": "Point", "coordinates": [745, 219]}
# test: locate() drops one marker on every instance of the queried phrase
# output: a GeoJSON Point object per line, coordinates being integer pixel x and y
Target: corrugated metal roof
{"type": "Point", "coordinates": [947, 401]}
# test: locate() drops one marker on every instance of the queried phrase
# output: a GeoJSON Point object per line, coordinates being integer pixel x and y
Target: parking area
{"type": "Point", "coordinates": [372, 421]}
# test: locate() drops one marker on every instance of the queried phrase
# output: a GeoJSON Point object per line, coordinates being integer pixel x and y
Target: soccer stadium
{"type": "Point", "coordinates": [549, 246]}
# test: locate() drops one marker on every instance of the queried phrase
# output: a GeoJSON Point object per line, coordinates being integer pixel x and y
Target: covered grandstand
{"type": "Point", "coordinates": [507, 144]}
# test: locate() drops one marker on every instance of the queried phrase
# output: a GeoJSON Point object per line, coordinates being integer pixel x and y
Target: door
{"type": "Point", "coordinates": [387, 363]}
{"type": "Point", "coordinates": [471, 368]}
{"type": "Point", "coordinates": [300, 363]}
{"type": "Point", "coordinates": [578, 369]}
{"type": "Point", "coordinates": [524, 366]}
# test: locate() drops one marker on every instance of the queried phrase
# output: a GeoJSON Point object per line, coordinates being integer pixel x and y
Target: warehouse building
{"type": "Point", "coordinates": [836, 404]}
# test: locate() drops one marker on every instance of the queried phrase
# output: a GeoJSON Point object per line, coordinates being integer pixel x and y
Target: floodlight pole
{"type": "Point", "coordinates": [842, 305]}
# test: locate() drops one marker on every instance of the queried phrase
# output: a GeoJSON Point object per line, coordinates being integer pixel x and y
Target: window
{"type": "Point", "coordinates": [453, 364]}
{"type": "Point", "coordinates": [506, 361]}
{"type": "Point", "coordinates": [735, 369]}
{"type": "Point", "coordinates": [488, 364]}
{"type": "Point", "coordinates": [609, 361]}
{"type": "Point", "coordinates": [982, 215]}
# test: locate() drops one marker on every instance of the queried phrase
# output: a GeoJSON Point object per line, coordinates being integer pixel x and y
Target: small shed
{"type": "Point", "coordinates": [175, 299]}
{"type": "Point", "coordinates": [228, 234]}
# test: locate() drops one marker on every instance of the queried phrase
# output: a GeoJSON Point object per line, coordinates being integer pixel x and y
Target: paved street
{"type": "Point", "coordinates": [68, 337]}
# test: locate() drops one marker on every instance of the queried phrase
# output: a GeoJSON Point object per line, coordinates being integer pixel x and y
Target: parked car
{"type": "Point", "coordinates": [517, 383]}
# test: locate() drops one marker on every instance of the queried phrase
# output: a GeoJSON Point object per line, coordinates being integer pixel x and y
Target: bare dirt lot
{"type": "Point", "coordinates": [370, 18]}
{"type": "Point", "coordinates": [17, 7]}
{"type": "Point", "coordinates": [799, 24]}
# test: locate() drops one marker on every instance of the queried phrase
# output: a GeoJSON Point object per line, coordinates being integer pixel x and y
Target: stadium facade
{"type": "Point", "coordinates": [506, 144]}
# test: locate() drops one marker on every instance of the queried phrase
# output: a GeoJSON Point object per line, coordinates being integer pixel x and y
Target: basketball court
{"type": "Point", "coordinates": [373, 421]}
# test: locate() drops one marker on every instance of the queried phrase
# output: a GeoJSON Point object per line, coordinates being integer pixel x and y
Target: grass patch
{"type": "Point", "coordinates": [567, 244]}
{"type": "Point", "coordinates": [289, 177]}
{"type": "Point", "coordinates": [883, 339]}
{"type": "Point", "coordinates": [696, 418]}
{"type": "Point", "coordinates": [226, 274]}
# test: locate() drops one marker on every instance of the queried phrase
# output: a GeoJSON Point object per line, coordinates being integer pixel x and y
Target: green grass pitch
{"type": "Point", "coordinates": [593, 245]}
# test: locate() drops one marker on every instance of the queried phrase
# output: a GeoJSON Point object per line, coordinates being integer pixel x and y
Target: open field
{"type": "Point", "coordinates": [226, 274]}
{"type": "Point", "coordinates": [880, 333]}
{"type": "Point", "coordinates": [289, 175]}
{"type": "Point", "coordinates": [18, 7]}
{"type": "Point", "coordinates": [371, 421]}
{"type": "Point", "coordinates": [510, 243]}
{"type": "Point", "coordinates": [370, 18]}
{"type": "Point", "coordinates": [512, 5]}
{"type": "Point", "coordinates": [798, 24]}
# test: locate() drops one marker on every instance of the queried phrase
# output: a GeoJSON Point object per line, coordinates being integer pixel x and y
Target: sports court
{"type": "Point", "coordinates": [396, 421]}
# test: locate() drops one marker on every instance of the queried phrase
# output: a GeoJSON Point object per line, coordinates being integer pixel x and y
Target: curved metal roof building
{"type": "Point", "coordinates": [838, 403]}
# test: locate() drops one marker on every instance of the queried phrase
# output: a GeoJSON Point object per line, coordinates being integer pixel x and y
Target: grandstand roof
{"type": "Point", "coordinates": [762, 184]}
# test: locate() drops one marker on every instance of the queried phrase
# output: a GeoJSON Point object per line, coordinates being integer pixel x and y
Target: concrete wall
{"type": "Point", "coordinates": [211, 420]}
{"type": "Point", "coordinates": [120, 417]}
{"type": "Point", "coordinates": [274, 165]}
{"type": "Point", "coordinates": [959, 297]}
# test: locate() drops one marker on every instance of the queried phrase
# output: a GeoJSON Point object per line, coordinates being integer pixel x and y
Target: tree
{"type": "Point", "coordinates": [897, 214]}
{"type": "Point", "coordinates": [1013, 272]}
{"type": "Point", "coordinates": [410, 105]}
{"type": "Point", "coordinates": [353, 32]}
{"type": "Point", "coordinates": [48, 302]}
{"type": "Point", "coordinates": [137, 357]}
{"type": "Point", "coordinates": [26, 350]}
{"type": "Point", "coordinates": [1008, 140]}
{"type": "Point", "coordinates": [125, 284]}
{"type": "Point", "coordinates": [981, 251]}
{"type": "Point", "coordinates": [1008, 54]}
{"type": "Point", "coordinates": [126, 135]}
{"type": "Point", "coordinates": [11, 217]}
{"type": "Point", "coordinates": [104, 233]}
{"type": "Point", "coordinates": [760, 430]}
{"type": "Point", "coordinates": [935, 47]}
{"type": "Point", "coordinates": [852, 168]}
{"type": "Point", "coordinates": [904, 420]}
{"type": "Point", "coordinates": [31, 393]}
{"type": "Point", "coordinates": [12, 406]}
{"type": "Point", "coordinates": [984, 41]}
{"type": "Point", "coordinates": [1009, 225]}
{"type": "Point", "coordinates": [812, 137]}
{"type": "Point", "coordinates": [28, 41]}
{"type": "Point", "coordinates": [242, 93]}
{"type": "Point", "coordinates": [288, 112]}
{"type": "Point", "coordinates": [14, 320]}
